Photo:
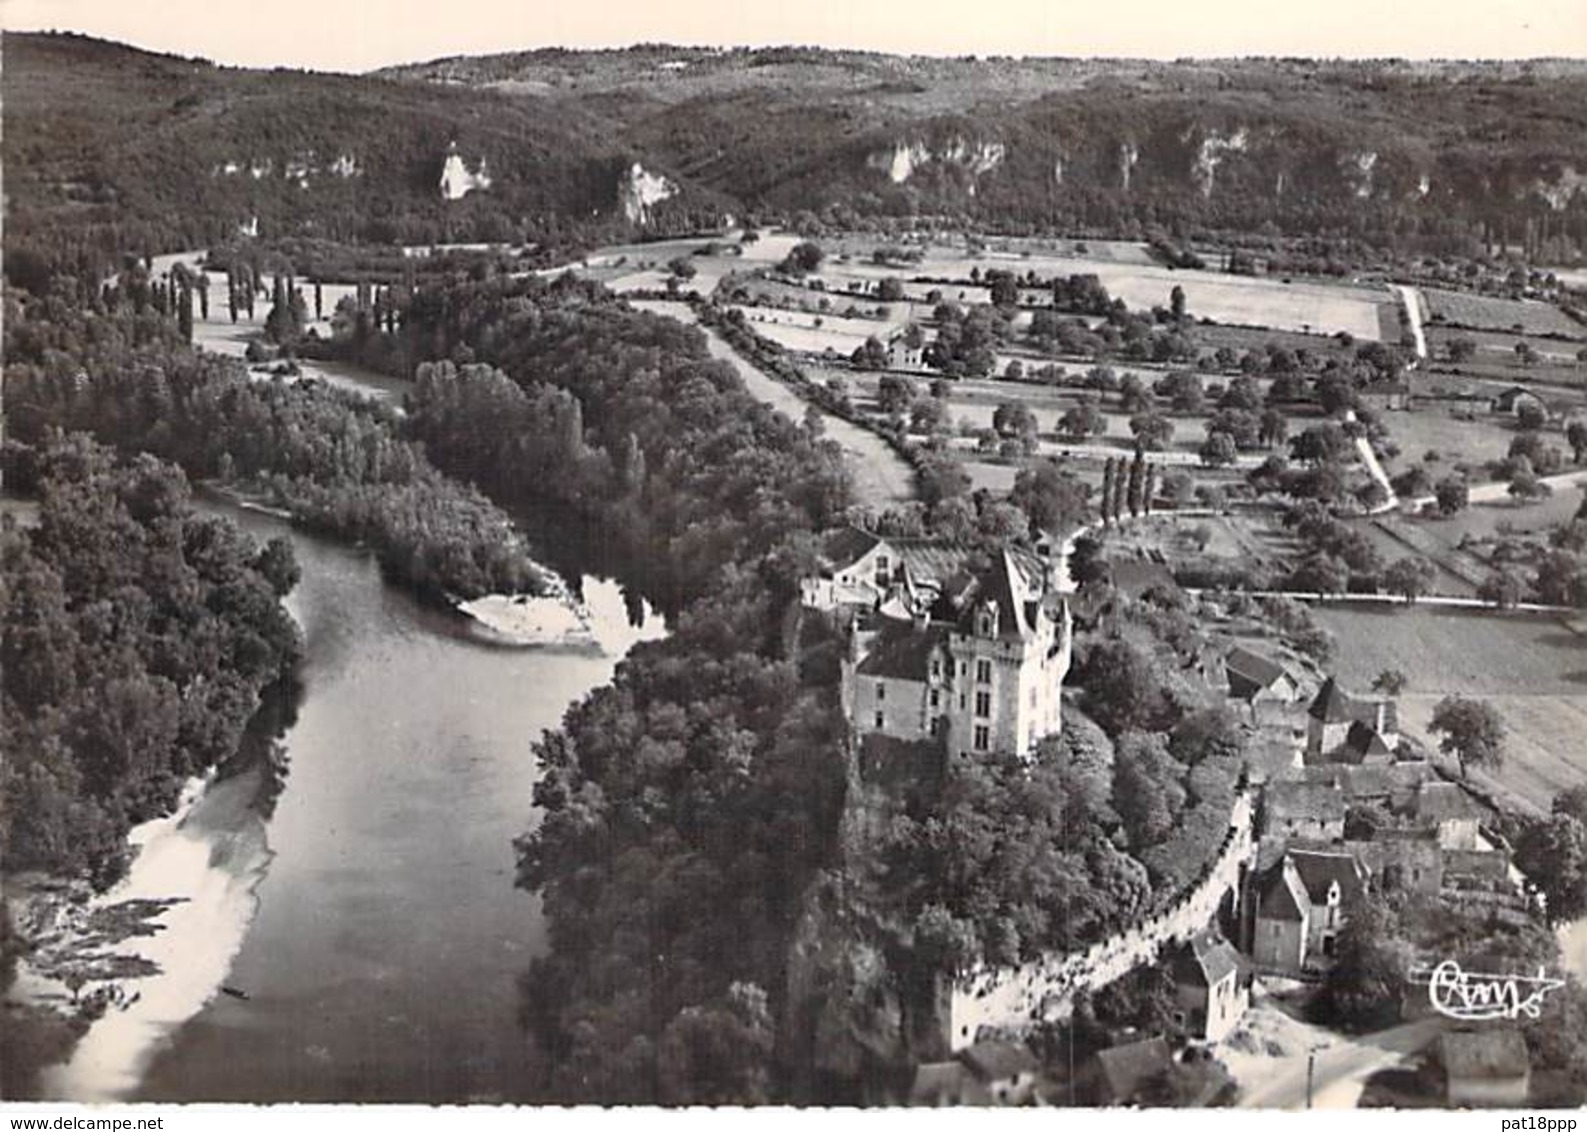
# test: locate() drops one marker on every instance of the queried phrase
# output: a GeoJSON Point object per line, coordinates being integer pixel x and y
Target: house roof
{"type": "Point", "coordinates": [1254, 669]}
{"type": "Point", "coordinates": [1005, 585]}
{"type": "Point", "coordinates": [1391, 780]}
{"type": "Point", "coordinates": [1364, 741]}
{"type": "Point", "coordinates": [847, 546]}
{"type": "Point", "coordinates": [1445, 801]}
{"type": "Point", "coordinates": [1486, 1054]}
{"type": "Point", "coordinates": [1283, 896]}
{"type": "Point", "coordinates": [1126, 1068]}
{"type": "Point", "coordinates": [1319, 870]}
{"type": "Point", "coordinates": [1334, 705]}
{"type": "Point", "coordinates": [901, 651]}
{"type": "Point", "coordinates": [1510, 396]}
{"type": "Point", "coordinates": [999, 1060]}
{"type": "Point", "coordinates": [1298, 801]}
{"type": "Point", "coordinates": [1206, 959]}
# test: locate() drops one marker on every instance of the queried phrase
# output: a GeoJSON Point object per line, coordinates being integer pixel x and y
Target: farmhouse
{"type": "Point", "coordinates": [978, 669]}
{"type": "Point", "coordinates": [1514, 400]}
{"type": "Point", "coordinates": [1253, 679]}
{"type": "Point", "coordinates": [1486, 1067]}
{"type": "Point", "coordinates": [902, 355]}
{"type": "Point", "coordinates": [1384, 396]}
{"type": "Point", "coordinates": [1299, 906]}
{"type": "Point", "coordinates": [1451, 814]}
{"type": "Point", "coordinates": [1341, 728]}
{"type": "Point", "coordinates": [1211, 989]}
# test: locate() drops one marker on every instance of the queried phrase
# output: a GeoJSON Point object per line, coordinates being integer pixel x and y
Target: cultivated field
{"type": "Point", "coordinates": [1532, 669]}
{"type": "Point", "coordinates": [1484, 312]}
{"type": "Point", "coordinates": [1458, 433]}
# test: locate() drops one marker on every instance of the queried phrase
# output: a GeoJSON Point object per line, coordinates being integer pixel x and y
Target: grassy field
{"type": "Point", "coordinates": [1458, 433]}
{"type": "Point", "coordinates": [1532, 669]}
{"type": "Point", "coordinates": [1483, 312]}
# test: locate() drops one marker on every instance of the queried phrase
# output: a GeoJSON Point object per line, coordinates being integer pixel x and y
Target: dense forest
{"type": "Point", "coordinates": [336, 462]}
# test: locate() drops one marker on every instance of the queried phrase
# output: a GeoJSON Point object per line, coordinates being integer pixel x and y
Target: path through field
{"type": "Point", "coordinates": [881, 477]}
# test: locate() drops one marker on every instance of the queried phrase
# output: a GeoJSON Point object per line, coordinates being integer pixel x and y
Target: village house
{"type": "Point", "coordinates": [1303, 810]}
{"type": "Point", "coordinates": [1341, 728]}
{"type": "Point", "coordinates": [904, 355]}
{"type": "Point", "coordinates": [1386, 396]}
{"type": "Point", "coordinates": [987, 1073]}
{"type": "Point", "coordinates": [979, 670]}
{"type": "Point", "coordinates": [1212, 990]}
{"type": "Point", "coordinates": [1133, 1073]}
{"type": "Point", "coordinates": [1514, 400]}
{"type": "Point", "coordinates": [1300, 904]}
{"type": "Point", "coordinates": [1254, 679]}
{"type": "Point", "coordinates": [1489, 1067]}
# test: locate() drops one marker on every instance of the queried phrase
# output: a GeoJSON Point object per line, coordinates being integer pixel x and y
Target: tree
{"type": "Point", "coordinates": [1410, 577]}
{"type": "Point", "coordinates": [1109, 484]}
{"type": "Point", "coordinates": [1137, 483]}
{"type": "Point", "coordinates": [1452, 495]}
{"type": "Point", "coordinates": [1461, 349]}
{"type": "Point", "coordinates": [1366, 984]}
{"type": "Point", "coordinates": [1321, 574]}
{"type": "Point", "coordinates": [871, 355]}
{"type": "Point", "coordinates": [1176, 303]}
{"type": "Point", "coordinates": [1274, 429]}
{"type": "Point", "coordinates": [1576, 437]}
{"type": "Point", "coordinates": [682, 267]}
{"type": "Point", "coordinates": [1123, 688]}
{"type": "Point", "coordinates": [1014, 419]}
{"type": "Point", "coordinates": [895, 395]}
{"type": "Point", "coordinates": [805, 257]}
{"type": "Point", "coordinates": [1152, 431]}
{"type": "Point", "coordinates": [1529, 416]}
{"type": "Point", "coordinates": [1503, 588]}
{"type": "Point", "coordinates": [1525, 487]}
{"type": "Point", "coordinates": [1053, 499]}
{"type": "Point", "coordinates": [1218, 450]}
{"type": "Point", "coordinates": [1552, 852]}
{"type": "Point", "coordinates": [1473, 732]}
{"type": "Point", "coordinates": [1391, 682]}
{"type": "Point", "coordinates": [1082, 421]}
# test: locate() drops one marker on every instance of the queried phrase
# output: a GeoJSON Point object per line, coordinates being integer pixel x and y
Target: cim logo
{"type": "Point", "coordinates": [1476, 996]}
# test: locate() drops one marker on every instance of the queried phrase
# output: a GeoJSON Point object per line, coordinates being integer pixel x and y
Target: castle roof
{"type": "Point", "coordinates": [1283, 896]}
{"type": "Point", "coordinates": [901, 651]}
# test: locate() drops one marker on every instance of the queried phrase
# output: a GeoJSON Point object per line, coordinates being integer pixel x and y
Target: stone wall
{"type": "Point", "coordinates": [1012, 999]}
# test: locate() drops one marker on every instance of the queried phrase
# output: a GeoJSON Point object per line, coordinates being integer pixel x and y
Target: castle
{"type": "Point", "coordinates": [947, 646]}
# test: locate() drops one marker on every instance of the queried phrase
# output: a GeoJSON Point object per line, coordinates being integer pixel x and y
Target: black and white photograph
{"type": "Point", "coordinates": [830, 555]}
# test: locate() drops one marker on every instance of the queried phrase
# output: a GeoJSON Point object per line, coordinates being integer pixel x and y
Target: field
{"type": "Point", "coordinates": [1484, 312]}
{"type": "Point", "coordinates": [1539, 685]}
{"type": "Point", "coordinates": [1458, 433]}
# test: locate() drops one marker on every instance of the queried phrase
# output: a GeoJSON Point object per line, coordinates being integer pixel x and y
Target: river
{"type": "Point", "coordinates": [368, 912]}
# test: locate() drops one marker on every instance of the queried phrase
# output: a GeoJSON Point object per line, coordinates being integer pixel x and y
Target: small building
{"type": "Point", "coordinates": [1006, 1070]}
{"type": "Point", "coordinates": [902, 356]}
{"type": "Point", "coordinates": [1517, 398]}
{"type": "Point", "coordinates": [1341, 728]}
{"type": "Point", "coordinates": [1301, 904]}
{"type": "Point", "coordinates": [1254, 678]}
{"type": "Point", "coordinates": [1486, 1067]}
{"type": "Point", "coordinates": [1212, 990]}
{"type": "Point", "coordinates": [1448, 809]}
{"type": "Point", "coordinates": [1386, 396]}
{"type": "Point", "coordinates": [1303, 810]}
{"type": "Point", "coordinates": [1135, 1073]}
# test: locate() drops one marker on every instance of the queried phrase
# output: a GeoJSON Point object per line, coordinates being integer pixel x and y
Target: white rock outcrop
{"type": "Point", "coordinates": [639, 191]}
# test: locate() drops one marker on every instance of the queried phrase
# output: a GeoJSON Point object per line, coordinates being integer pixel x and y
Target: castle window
{"type": "Point", "coordinates": [983, 704]}
{"type": "Point", "coordinates": [936, 668]}
{"type": "Point", "coordinates": [983, 738]}
{"type": "Point", "coordinates": [936, 698]}
{"type": "Point", "coordinates": [880, 721]}
{"type": "Point", "coordinates": [881, 691]}
{"type": "Point", "coordinates": [983, 672]}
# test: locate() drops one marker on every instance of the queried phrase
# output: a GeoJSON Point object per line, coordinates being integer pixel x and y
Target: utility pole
{"type": "Point", "coordinates": [1311, 1068]}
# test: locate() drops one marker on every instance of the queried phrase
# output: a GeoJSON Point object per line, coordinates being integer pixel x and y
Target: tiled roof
{"type": "Point", "coordinates": [901, 652]}
{"type": "Point", "coordinates": [1334, 705]}
{"type": "Point", "coordinates": [1283, 896]}
{"type": "Point", "coordinates": [1127, 1067]}
{"type": "Point", "coordinates": [1253, 669]}
{"type": "Point", "coordinates": [1485, 1054]}
{"type": "Point", "coordinates": [1207, 959]}
{"type": "Point", "coordinates": [845, 547]}
{"type": "Point", "coordinates": [1445, 801]}
{"type": "Point", "coordinates": [1363, 741]}
{"type": "Point", "coordinates": [998, 1061]}
{"type": "Point", "coordinates": [1288, 801]}
{"type": "Point", "coordinates": [1318, 871]}
{"type": "Point", "coordinates": [1003, 585]}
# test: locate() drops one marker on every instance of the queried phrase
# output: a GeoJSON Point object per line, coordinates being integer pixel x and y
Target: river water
{"type": "Point", "coordinates": [366, 905]}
